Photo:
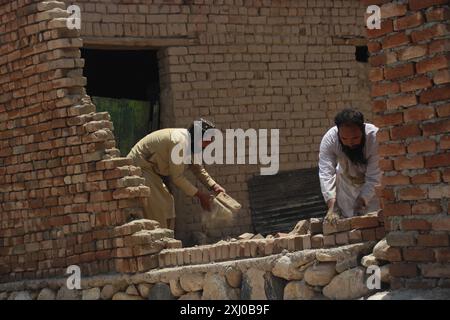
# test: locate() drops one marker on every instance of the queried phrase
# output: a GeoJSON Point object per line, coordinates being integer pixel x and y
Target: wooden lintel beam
{"type": "Point", "coordinates": [135, 43]}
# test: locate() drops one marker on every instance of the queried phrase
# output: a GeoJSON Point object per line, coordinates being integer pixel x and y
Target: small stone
{"type": "Point", "coordinates": [289, 267]}
{"type": "Point", "coordinates": [132, 291]}
{"type": "Point", "coordinates": [144, 289]}
{"type": "Point", "coordinates": [160, 291]}
{"type": "Point", "coordinates": [91, 294]}
{"type": "Point", "coordinates": [233, 277]}
{"type": "Point", "coordinates": [258, 236]}
{"type": "Point", "coordinates": [298, 290]}
{"type": "Point", "coordinates": [192, 281]}
{"type": "Point", "coordinates": [380, 251]}
{"type": "Point", "coordinates": [349, 284]}
{"type": "Point", "coordinates": [284, 268]}
{"type": "Point", "coordinates": [107, 292]}
{"type": "Point", "coordinates": [21, 295]}
{"type": "Point", "coordinates": [412, 294]}
{"type": "Point", "coordinates": [136, 226]}
{"type": "Point", "coordinates": [124, 296]}
{"type": "Point", "coordinates": [380, 296]}
{"type": "Point", "coordinates": [281, 235]}
{"type": "Point", "coordinates": [253, 285]}
{"type": "Point", "coordinates": [301, 258]}
{"type": "Point", "coordinates": [369, 260]}
{"type": "Point", "coordinates": [46, 294]}
{"type": "Point", "coordinates": [302, 227]}
{"type": "Point", "coordinates": [246, 236]}
{"type": "Point", "coordinates": [343, 252]}
{"type": "Point", "coordinates": [345, 256]}
{"type": "Point", "coordinates": [65, 294]}
{"type": "Point", "coordinates": [320, 274]}
{"type": "Point", "coordinates": [346, 263]}
{"type": "Point", "coordinates": [196, 295]}
{"type": "Point", "coordinates": [175, 288]}
{"type": "Point", "coordinates": [261, 285]}
{"type": "Point", "coordinates": [216, 288]}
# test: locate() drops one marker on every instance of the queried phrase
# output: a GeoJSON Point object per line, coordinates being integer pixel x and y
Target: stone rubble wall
{"type": "Point", "coordinates": [334, 273]}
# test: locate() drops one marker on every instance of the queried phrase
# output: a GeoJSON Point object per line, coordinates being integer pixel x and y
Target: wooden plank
{"type": "Point", "coordinates": [135, 43]}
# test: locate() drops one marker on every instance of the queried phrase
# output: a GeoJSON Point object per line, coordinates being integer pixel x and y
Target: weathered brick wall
{"type": "Point", "coordinates": [283, 64]}
{"type": "Point", "coordinates": [61, 193]}
{"type": "Point", "coordinates": [410, 74]}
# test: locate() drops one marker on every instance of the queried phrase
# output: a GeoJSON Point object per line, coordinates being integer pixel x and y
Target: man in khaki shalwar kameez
{"type": "Point", "coordinates": [153, 154]}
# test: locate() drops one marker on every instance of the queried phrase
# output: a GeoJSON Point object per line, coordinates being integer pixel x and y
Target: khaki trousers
{"type": "Point", "coordinates": [160, 205]}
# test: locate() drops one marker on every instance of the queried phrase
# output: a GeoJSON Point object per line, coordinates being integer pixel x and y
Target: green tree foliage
{"type": "Point", "coordinates": [131, 119]}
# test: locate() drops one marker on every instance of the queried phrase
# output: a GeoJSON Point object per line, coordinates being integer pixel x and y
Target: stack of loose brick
{"type": "Point", "coordinates": [353, 230]}
{"type": "Point", "coordinates": [319, 235]}
{"type": "Point", "coordinates": [62, 187]}
{"type": "Point", "coordinates": [136, 245]}
{"type": "Point", "coordinates": [411, 96]}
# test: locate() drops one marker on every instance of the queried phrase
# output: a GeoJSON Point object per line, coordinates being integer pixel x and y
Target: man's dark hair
{"type": "Point", "coordinates": [352, 117]}
{"type": "Point", "coordinates": [205, 125]}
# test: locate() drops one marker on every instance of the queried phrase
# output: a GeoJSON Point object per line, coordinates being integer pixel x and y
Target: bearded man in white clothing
{"type": "Point", "coordinates": [348, 166]}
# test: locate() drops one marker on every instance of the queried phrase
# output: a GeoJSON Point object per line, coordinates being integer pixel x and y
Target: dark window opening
{"type": "Point", "coordinates": [129, 74]}
{"type": "Point", "coordinates": [362, 54]}
{"type": "Point", "coordinates": [126, 84]}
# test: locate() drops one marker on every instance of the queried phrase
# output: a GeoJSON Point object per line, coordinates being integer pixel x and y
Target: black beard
{"type": "Point", "coordinates": [355, 155]}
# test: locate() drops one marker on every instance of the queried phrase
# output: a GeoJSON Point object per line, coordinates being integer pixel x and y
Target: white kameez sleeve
{"type": "Point", "coordinates": [327, 167]}
{"type": "Point", "coordinates": [373, 173]}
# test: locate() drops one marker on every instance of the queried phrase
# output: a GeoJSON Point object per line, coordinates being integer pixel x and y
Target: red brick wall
{"type": "Point", "coordinates": [411, 99]}
{"type": "Point", "coordinates": [61, 194]}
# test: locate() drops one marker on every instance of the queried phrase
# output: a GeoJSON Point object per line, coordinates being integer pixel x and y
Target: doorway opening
{"type": "Point", "coordinates": [126, 84]}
